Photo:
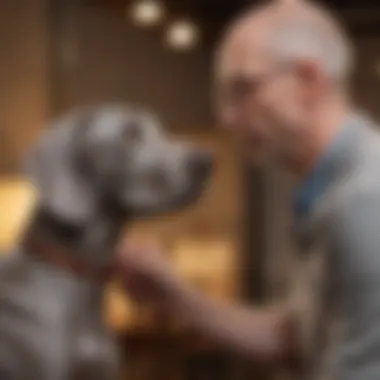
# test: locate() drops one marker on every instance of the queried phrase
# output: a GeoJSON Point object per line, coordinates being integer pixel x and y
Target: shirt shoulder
{"type": "Point", "coordinates": [361, 181]}
{"type": "Point", "coordinates": [353, 212]}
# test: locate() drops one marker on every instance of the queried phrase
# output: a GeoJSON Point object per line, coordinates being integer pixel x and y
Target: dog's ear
{"type": "Point", "coordinates": [51, 166]}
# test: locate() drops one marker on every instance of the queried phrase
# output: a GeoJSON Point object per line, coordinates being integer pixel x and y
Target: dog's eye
{"type": "Point", "coordinates": [132, 132]}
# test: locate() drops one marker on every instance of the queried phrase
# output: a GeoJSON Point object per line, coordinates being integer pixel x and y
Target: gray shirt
{"type": "Point", "coordinates": [336, 294]}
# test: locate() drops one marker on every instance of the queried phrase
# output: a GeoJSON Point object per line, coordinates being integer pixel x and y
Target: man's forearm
{"type": "Point", "coordinates": [260, 334]}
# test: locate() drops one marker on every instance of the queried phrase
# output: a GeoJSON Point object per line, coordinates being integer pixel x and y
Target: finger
{"type": "Point", "coordinates": [127, 244]}
{"type": "Point", "coordinates": [148, 243]}
{"type": "Point", "coordinates": [128, 251]}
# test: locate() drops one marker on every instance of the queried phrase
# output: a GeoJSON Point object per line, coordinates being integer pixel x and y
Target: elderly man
{"type": "Point", "coordinates": [282, 88]}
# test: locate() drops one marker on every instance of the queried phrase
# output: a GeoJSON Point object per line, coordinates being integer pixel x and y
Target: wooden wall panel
{"type": "Point", "coordinates": [23, 74]}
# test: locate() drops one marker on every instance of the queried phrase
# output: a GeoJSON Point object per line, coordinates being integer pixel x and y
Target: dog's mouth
{"type": "Point", "coordinates": [198, 168]}
{"type": "Point", "coordinates": [192, 195]}
{"type": "Point", "coordinates": [183, 200]}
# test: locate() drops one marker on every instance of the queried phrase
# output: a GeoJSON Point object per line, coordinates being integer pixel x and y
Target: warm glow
{"type": "Point", "coordinates": [17, 200]}
{"type": "Point", "coordinates": [182, 35]}
{"type": "Point", "coordinates": [147, 12]}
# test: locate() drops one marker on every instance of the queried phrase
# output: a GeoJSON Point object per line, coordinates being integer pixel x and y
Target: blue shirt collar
{"type": "Point", "coordinates": [312, 188]}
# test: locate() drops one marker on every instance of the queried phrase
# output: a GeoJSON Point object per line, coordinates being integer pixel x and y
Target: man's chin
{"type": "Point", "coordinates": [255, 159]}
{"type": "Point", "coordinates": [259, 160]}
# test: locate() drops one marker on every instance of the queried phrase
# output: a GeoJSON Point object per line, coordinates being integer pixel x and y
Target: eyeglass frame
{"type": "Point", "coordinates": [249, 85]}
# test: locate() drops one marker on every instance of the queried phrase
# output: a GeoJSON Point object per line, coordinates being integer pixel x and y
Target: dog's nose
{"type": "Point", "coordinates": [200, 164]}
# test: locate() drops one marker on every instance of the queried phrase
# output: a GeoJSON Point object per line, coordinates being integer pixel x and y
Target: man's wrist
{"type": "Point", "coordinates": [182, 299]}
{"type": "Point", "coordinates": [291, 356]}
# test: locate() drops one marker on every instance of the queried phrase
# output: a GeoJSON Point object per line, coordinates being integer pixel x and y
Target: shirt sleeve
{"type": "Point", "coordinates": [303, 308]}
{"type": "Point", "coordinates": [354, 230]}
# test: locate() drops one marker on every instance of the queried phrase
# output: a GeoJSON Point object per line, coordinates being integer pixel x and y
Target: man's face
{"type": "Point", "coordinates": [262, 102]}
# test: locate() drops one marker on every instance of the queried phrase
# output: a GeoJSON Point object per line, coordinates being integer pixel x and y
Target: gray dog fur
{"type": "Point", "coordinates": [51, 325]}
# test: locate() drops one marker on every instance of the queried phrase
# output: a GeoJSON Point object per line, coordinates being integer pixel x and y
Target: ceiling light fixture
{"type": "Point", "coordinates": [182, 35]}
{"type": "Point", "coordinates": [147, 13]}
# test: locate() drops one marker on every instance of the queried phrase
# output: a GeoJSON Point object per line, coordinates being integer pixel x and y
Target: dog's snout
{"type": "Point", "coordinates": [200, 164]}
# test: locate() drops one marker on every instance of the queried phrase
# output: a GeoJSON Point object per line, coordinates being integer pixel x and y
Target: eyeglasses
{"type": "Point", "coordinates": [240, 87]}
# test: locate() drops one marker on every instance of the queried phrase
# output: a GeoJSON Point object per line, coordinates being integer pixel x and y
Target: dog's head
{"type": "Point", "coordinates": [118, 154]}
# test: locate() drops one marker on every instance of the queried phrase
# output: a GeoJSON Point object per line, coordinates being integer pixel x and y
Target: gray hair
{"type": "Point", "coordinates": [312, 33]}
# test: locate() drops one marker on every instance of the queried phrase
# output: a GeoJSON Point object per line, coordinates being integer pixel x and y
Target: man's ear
{"type": "Point", "coordinates": [52, 169]}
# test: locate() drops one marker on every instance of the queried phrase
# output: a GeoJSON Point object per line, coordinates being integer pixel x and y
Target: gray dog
{"type": "Point", "coordinates": [94, 170]}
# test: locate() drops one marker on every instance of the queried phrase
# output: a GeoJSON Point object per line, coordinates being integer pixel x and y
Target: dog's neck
{"type": "Point", "coordinates": [93, 242]}
{"type": "Point", "coordinates": [56, 229]}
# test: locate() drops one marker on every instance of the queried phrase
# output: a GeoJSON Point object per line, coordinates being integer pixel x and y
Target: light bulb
{"type": "Point", "coordinates": [182, 35]}
{"type": "Point", "coordinates": [147, 12]}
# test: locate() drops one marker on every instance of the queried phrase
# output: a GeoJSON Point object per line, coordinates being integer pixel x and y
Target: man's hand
{"type": "Point", "coordinates": [147, 277]}
{"type": "Point", "coordinates": [146, 274]}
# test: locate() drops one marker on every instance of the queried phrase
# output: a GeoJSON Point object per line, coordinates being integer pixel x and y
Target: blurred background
{"type": "Point", "coordinates": [233, 244]}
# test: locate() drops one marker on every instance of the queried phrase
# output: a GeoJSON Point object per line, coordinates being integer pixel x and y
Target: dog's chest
{"type": "Point", "coordinates": [94, 357]}
{"type": "Point", "coordinates": [53, 325]}
{"type": "Point", "coordinates": [94, 352]}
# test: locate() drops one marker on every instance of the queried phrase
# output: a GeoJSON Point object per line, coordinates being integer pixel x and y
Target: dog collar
{"type": "Point", "coordinates": [64, 258]}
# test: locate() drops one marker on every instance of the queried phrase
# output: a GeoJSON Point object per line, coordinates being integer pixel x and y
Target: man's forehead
{"type": "Point", "coordinates": [242, 51]}
{"type": "Point", "coordinates": [248, 61]}
{"type": "Point", "coordinates": [234, 64]}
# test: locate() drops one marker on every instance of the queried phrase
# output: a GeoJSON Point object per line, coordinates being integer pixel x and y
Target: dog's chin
{"type": "Point", "coordinates": [175, 204]}
{"type": "Point", "coordinates": [187, 199]}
